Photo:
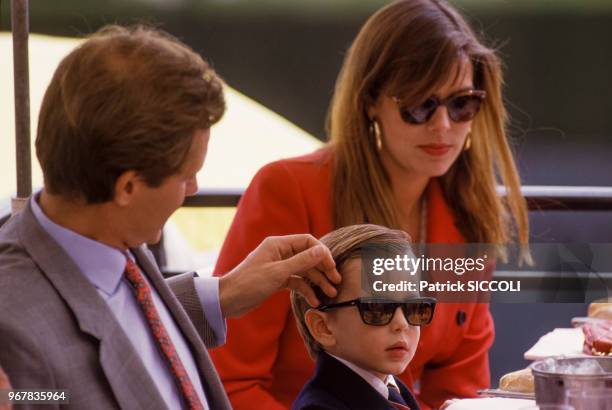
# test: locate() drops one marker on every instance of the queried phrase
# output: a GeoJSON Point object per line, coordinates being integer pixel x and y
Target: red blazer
{"type": "Point", "coordinates": [264, 363]}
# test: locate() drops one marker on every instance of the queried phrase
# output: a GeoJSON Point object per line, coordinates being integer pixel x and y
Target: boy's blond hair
{"type": "Point", "coordinates": [344, 243]}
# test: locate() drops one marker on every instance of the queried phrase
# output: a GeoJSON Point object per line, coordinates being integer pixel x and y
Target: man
{"type": "Point", "coordinates": [123, 130]}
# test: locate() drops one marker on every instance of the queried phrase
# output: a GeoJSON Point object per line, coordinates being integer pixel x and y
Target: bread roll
{"type": "Point", "coordinates": [600, 310]}
{"type": "Point", "coordinates": [518, 381]}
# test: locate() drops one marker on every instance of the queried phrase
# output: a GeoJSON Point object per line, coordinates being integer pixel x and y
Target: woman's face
{"type": "Point", "coordinates": [427, 149]}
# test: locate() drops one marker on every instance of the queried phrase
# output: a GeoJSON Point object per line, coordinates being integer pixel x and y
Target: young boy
{"type": "Point", "coordinates": [359, 345]}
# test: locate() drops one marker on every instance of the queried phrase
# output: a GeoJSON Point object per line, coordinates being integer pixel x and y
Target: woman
{"type": "Point", "coordinates": [418, 143]}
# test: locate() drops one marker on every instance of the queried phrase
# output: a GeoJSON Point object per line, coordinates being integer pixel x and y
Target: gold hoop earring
{"type": "Point", "coordinates": [376, 133]}
{"type": "Point", "coordinates": [468, 142]}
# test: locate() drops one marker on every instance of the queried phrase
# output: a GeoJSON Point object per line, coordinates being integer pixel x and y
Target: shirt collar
{"type": "Point", "coordinates": [373, 380]}
{"type": "Point", "coordinates": [103, 265]}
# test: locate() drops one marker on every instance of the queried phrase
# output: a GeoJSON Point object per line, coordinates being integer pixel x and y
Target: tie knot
{"type": "Point", "coordinates": [395, 395]}
{"type": "Point", "coordinates": [133, 275]}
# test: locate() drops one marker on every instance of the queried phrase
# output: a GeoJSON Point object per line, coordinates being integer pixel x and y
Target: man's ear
{"type": "Point", "coordinates": [125, 187]}
{"type": "Point", "coordinates": [317, 323]}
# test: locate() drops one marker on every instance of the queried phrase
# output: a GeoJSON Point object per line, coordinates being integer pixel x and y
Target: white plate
{"type": "Point", "coordinates": [561, 341]}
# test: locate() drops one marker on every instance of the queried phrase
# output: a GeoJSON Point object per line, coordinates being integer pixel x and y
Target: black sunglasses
{"type": "Point", "coordinates": [461, 106]}
{"type": "Point", "coordinates": [379, 312]}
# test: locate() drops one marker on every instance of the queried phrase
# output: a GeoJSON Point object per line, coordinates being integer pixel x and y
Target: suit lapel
{"type": "Point", "coordinates": [213, 387]}
{"type": "Point", "coordinates": [406, 394]}
{"type": "Point", "coordinates": [348, 386]}
{"type": "Point", "coordinates": [127, 376]}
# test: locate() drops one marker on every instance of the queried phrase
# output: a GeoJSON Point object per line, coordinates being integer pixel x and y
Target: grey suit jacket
{"type": "Point", "coordinates": [56, 332]}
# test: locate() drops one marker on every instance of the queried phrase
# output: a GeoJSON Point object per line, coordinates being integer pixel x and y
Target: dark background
{"type": "Point", "coordinates": [286, 55]}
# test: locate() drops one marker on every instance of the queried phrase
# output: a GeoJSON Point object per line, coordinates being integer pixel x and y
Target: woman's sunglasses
{"type": "Point", "coordinates": [462, 106]}
{"type": "Point", "coordinates": [379, 312]}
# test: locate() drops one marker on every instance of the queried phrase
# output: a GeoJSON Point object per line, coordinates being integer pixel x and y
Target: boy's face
{"type": "Point", "coordinates": [382, 350]}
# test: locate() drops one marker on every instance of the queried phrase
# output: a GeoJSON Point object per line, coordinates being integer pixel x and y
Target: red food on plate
{"type": "Point", "coordinates": [598, 338]}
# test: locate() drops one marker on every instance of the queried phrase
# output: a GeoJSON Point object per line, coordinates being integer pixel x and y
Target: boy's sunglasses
{"type": "Point", "coordinates": [379, 312]}
{"type": "Point", "coordinates": [462, 106]}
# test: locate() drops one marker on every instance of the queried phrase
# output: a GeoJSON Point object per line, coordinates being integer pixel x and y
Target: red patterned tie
{"type": "Point", "coordinates": [145, 300]}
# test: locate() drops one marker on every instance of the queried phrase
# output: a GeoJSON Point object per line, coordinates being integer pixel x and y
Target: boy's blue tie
{"type": "Point", "coordinates": [396, 398]}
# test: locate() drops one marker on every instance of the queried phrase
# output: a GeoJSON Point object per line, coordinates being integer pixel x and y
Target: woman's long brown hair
{"type": "Point", "coordinates": [412, 47]}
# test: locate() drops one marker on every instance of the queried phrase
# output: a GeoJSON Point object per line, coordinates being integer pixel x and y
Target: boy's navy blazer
{"type": "Point", "coordinates": [336, 387]}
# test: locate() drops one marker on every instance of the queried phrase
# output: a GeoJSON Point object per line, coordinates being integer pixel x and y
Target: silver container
{"type": "Point", "coordinates": [552, 387]}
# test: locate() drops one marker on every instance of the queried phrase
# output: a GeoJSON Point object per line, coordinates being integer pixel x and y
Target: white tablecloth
{"type": "Point", "coordinates": [490, 403]}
